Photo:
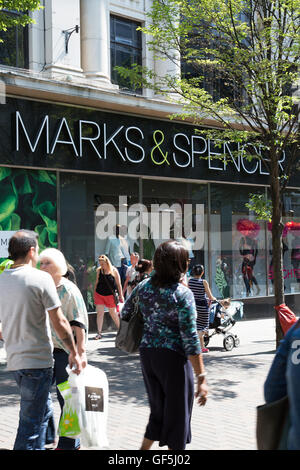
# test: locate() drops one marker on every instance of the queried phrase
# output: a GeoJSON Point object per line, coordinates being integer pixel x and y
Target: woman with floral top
{"type": "Point", "coordinates": [74, 309]}
{"type": "Point", "coordinates": [170, 348]}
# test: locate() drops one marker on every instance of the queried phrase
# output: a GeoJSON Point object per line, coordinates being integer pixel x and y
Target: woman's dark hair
{"type": "Point", "coordinates": [20, 244]}
{"type": "Point", "coordinates": [143, 266]}
{"type": "Point", "coordinates": [170, 263]}
{"type": "Point", "coordinates": [70, 274]}
{"type": "Point", "coordinates": [197, 270]}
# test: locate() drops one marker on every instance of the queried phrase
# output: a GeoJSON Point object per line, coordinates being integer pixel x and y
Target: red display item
{"type": "Point", "coordinates": [286, 317]}
{"type": "Point", "coordinates": [248, 228]}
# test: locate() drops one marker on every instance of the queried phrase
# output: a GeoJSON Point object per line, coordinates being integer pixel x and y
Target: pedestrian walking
{"type": "Point", "coordinates": [170, 348]}
{"type": "Point", "coordinates": [107, 285]}
{"type": "Point", "coordinates": [201, 291]}
{"type": "Point", "coordinates": [131, 274]}
{"type": "Point", "coordinates": [53, 262]}
{"type": "Point", "coordinates": [144, 269]}
{"type": "Point", "coordinates": [28, 299]}
{"type": "Point", "coordinates": [117, 251]}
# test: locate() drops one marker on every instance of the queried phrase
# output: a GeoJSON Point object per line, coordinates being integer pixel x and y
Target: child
{"type": "Point", "coordinates": [221, 308]}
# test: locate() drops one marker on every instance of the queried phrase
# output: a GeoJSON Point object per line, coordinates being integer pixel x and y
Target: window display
{"type": "Point", "coordinates": [85, 225]}
{"type": "Point", "coordinates": [27, 201]}
{"type": "Point", "coordinates": [290, 244]}
{"type": "Point", "coordinates": [177, 211]}
{"type": "Point", "coordinates": [248, 244]}
{"type": "Point", "coordinates": [117, 216]}
{"type": "Point", "coordinates": [238, 247]}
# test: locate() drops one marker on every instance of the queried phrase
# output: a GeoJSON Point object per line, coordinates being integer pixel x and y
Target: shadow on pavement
{"type": "Point", "coordinates": [124, 374]}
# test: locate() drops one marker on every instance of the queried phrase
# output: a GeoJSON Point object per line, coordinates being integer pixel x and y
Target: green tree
{"type": "Point", "coordinates": [22, 6]}
{"type": "Point", "coordinates": [239, 64]}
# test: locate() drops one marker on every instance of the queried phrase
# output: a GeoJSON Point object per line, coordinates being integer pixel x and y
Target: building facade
{"type": "Point", "coordinates": [82, 153]}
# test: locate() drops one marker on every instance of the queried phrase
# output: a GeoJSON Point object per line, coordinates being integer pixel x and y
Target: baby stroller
{"type": "Point", "coordinates": [221, 321]}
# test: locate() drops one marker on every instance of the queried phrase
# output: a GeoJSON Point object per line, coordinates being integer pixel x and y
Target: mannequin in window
{"type": "Point", "coordinates": [116, 250]}
{"type": "Point", "coordinates": [248, 250]}
{"type": "Point", "coordinates": [295, 253]}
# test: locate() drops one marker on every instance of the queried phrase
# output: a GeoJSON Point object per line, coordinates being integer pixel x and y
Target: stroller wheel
{"type": "Point", "coordinates": [236, 341]}
{"type": "Point", "coordinates": [228, 342]}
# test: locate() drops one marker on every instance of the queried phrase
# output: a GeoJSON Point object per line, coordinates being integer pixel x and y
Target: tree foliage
{"type": "Point", "coordinates": [261, 206]}
{"type": "Point", "coordinates": [237, 62]}
{"type": "Point", "coordinates": [21, 6]}
{"type": "Point", "coordinates": [250, 47]}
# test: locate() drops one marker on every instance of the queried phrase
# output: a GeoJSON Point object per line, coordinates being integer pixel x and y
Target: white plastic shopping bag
{"type": "Point", "coordinates": [86, 407]}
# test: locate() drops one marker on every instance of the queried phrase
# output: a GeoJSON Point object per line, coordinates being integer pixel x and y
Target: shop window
{"type": "Point", "coordinates": [145, 211]}
{"type": "Point", "coordinates": [177, 211]}
{"type": "Point", "coordinates": [238, 245]}
{"type": "Point", "coordinates": [126, 49]}
{"type": "Point", "coordinates": [28, 201]}
{"type": "Point", "coordinates": [14, 48]}
{"type": "Point", "coordinates": [203, 72]}
{"type": "Point", "coordinates": [290, 244]}
{"type": "Point", "coordinates": [91, 207]}
{"type": "Point", "coordinates": [213, 81]}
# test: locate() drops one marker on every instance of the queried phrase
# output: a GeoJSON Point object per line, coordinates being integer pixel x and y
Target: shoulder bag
{"type": "Point", "coordinates": [272, 419]}
{"type": "Point", "coordinates": [130, 332]}
{"type": "Point", "coordinates": [272, 423]}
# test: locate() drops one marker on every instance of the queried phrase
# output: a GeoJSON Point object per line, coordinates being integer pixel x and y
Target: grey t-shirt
{"type": "Point", "coordinates": [25, 296]}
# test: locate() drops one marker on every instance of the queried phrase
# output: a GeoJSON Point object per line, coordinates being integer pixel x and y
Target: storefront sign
{"type": "Point", "coordinates": [5, 236]}
{"type": "Point", "coordinates": [131, 145]}
{"type": "Point", "coordinates": [48, 135]}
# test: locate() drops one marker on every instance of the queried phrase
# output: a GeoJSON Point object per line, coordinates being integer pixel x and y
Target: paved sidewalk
{"type": "Point", "coordinates": [227, 422]}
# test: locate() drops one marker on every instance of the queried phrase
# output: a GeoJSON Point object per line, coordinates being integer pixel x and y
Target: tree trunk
{"type": "Point", "coordinates": [277, 228]}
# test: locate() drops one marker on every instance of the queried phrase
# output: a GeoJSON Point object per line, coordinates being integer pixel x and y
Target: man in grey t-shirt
{"type": "Point", "coordinates": [28, 299]}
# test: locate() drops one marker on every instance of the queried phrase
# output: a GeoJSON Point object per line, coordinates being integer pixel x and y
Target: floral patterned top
{"type": "Point", "coordinates": [169, 317]}
{"type": "Point", "coordinates": [73, 307]}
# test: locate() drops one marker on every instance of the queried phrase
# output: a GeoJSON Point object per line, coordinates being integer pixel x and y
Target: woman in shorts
{"type": "Point", "coordinates": [107, 287]}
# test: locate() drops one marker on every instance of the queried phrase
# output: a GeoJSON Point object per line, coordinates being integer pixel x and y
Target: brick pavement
{"type": "Point", "coordinates": [227, 422]}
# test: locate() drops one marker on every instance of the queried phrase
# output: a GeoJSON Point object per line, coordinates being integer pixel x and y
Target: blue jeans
{"type": "Point", "coordinates": [35, 407]}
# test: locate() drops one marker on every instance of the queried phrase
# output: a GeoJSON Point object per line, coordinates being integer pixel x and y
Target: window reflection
{"type": "Point", "coordinates": [234, 247]}
{"type": "Point", "coordinates": [290, 244]}
{"type": "Point", "coordinates": [80, 197]}
{"type": "Point", "coordinates": [14, 48]}
{"type": "Point", "coordinates": [238, 248]}
{"type": "Point", "coordinates": [126, 49]}
{"type": "Point", "coordinates": [179, 211]}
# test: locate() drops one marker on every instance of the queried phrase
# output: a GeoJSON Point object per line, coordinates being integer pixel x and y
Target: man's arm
{"type": "Point", "coordinates": [125, 285]}
{"type": "Point", "coordinates": [64, 331]}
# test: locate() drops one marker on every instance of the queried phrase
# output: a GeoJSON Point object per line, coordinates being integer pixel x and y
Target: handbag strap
{"type": "Point", "coordinates": [135, 301]}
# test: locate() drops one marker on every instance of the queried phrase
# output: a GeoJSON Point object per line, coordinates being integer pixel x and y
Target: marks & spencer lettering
{"type": "Point", "coordinates": [133, 145]}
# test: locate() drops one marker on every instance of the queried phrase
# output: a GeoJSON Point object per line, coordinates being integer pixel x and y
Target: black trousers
{"type": "Point", "coordinates": [169, 382]}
